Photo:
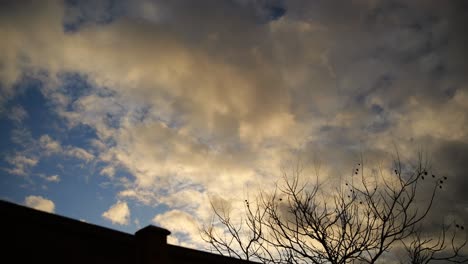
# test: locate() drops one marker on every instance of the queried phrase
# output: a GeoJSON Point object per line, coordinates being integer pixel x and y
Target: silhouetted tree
{"type": "Point", "coordinates": [423, 248]}
{"type": "Point", "coordinates": [358, 222]}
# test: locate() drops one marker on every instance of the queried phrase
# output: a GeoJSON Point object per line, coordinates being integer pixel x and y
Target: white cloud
{"type": "Point", "coordinates": [17, 114]}
{"type": "Point", "coordinates": [21, 163]}
{"type": "Point", "coordinates": [40, 203]}
{"type": "Point", "coordinates": [51, 178]}
{"type": "Point", "coordinates": [108, 170]}
{"type": "Point", "coordinates": [180, 223]}
{"type": "Point", "coordinates": [118, 213]}
{"type": "Point", "coordinates": [22, 137]}
{"type": "Point", "coordinates": [49, 145]}
{"type": "Point", "coordinates": [79, 153]}
{"type": "Point", "coordinates": [27, 161]}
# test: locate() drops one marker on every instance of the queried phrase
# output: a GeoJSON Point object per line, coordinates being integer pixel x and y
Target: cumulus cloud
{"type": "Point", "coordinates": [119, 213]}
{"type": "Point", "coordinates": [40, 203]}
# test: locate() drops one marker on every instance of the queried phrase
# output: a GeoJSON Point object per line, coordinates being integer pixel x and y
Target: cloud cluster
{"type": "Point", "coordinates": [118, 213]}
{"type": "Point", "coordinates": [50, 146]}
{"type": "Point", "coordinates": [21, 164]}
{"type": "Point", "coordinates": [215, 97]}
{"type": "Point", "coordinates": [40, 203]}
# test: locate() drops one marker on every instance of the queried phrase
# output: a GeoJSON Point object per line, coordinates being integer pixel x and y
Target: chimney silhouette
{"type": "Point", "coordinates": [151, 245]}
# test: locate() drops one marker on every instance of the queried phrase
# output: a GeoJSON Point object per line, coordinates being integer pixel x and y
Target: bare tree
{"type": "Point", "coordinates": [423, 248]}
{"type": "Point", "coordinates": [358, 222]}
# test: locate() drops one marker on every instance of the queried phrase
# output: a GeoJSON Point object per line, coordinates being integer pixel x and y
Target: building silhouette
{"type": "Point", "coordinates": [32, 236]}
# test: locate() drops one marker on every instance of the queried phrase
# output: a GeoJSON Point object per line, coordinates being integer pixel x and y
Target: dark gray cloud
{"type": "Point", "coordinates": [450, 158]}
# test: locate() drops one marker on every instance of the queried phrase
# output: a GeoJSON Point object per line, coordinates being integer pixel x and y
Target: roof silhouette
{"type": "Point", "coordinates": [29, 235]}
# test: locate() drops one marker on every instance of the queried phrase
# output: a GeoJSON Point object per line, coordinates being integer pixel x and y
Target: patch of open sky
{"type": "Point", "coordinates": [105, 92]}
{"type": "Point", "coordinates": [11, 185]}
{"type": "Point", "coordinates": [380, 122]}
{"type": "Point", "coordinates": [112, 120]}
{"type": "Point", "coordinates": [74, 86]}
{"type": "Point", "coordinates": [79, 135]}
{"type": "Point", "coordinates": [147, 114]}
{"type": "Point", "coordinates": [275, 11]}
{"type": "Point", "coordinates": [174, 123]}
{"type": "Point", "coordinates": [268, 11]}
{"type": "Point", "coordinates": [376, 109]}
{"type": "Point", "coordinates": [12, 188]}
{"type": "Point", "coordinates": [385, 81]}
{"type": "Point", "coordinates": [7, 126]}
{"type": "Point", "coordinates": [142, 114]}
{"type": "Point", "coordinates": [79, 194]}
{"type": "Point", "coordinates": [79, 13]}
{"type": "Point", "coordinates": [144, 214]}
{"type": "Point", "coordinates": [41, 119]}
{"type": "Point", "coordinates": [450, 91]}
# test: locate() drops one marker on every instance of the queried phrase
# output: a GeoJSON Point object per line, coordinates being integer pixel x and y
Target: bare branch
{"type": "Point", "coordinates": [300, 222]}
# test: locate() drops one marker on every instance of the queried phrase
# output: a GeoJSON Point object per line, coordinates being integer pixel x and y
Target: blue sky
{"type": "Point", "coordinates": [71, 181]}
{"type": "Point", "coordinates": [130, 113]}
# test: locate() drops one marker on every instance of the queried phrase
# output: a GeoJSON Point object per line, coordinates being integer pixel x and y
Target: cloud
{"type": "Point", "coordinates": [180, 224]}
{"type": "Point", "coordinates": [40, 203]}
{"type": "Point", "coordinates": [51, 178]}
{"type": "Point", "coordinates": [21, 163]}
{"type": "Point", "coordinates": [118, 213]}
{"type": "Point", "coordinates": [109, 171]}
{"type": "Point", "coordinates": [17, 114]}
{"type": "Point", "coordinates": [218, 107]}
{"type": "Point", "coordinates": [22, 137]}
{"type": "Point", "coordinates": [49, 145]}
{"type": "Point", "coordinates": [79, 153]}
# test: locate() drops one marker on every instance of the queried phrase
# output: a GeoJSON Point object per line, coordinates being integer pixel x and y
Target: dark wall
{"type": "Point", "coordinates": [29, 234]}
{"type": "Point", "coordinates": [33, 236]}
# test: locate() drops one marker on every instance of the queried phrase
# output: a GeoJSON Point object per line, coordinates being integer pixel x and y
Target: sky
{"type": "Point", "coordinates": [130, 113]}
